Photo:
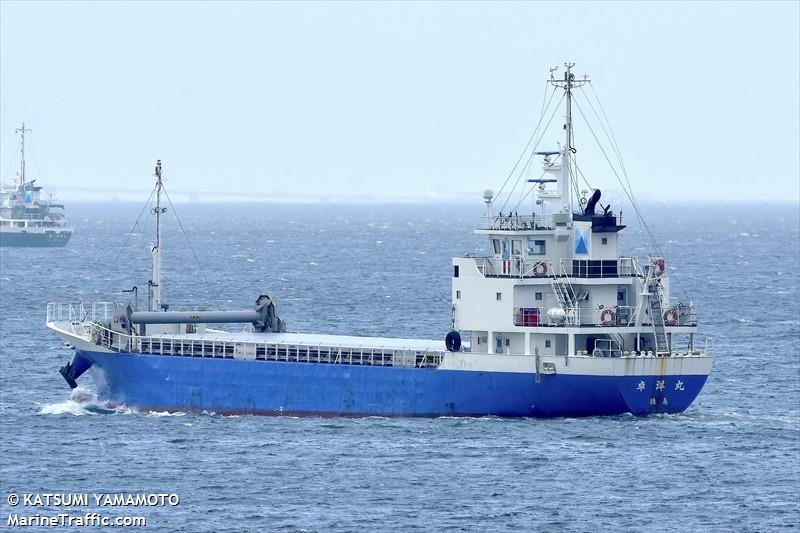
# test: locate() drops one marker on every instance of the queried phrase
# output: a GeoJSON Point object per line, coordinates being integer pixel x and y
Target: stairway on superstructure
{"type": "Point", "coordinates": [566, 299]}
{"type": "Point", "coordinates": [657, 316]}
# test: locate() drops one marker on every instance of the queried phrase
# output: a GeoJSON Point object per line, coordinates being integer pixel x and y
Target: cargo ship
{"type": "Point", "coordinates": [26, 217]}
{"type": "Point", "coordinates": [552, 322]}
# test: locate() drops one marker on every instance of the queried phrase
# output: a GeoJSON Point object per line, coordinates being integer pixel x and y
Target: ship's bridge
{"type": "Point", "coordinates": [556, 283]}
{"type": "Point", "coordinates": [560, 244]}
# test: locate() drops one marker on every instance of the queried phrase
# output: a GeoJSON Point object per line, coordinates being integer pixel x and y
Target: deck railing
{"type": "Point", "coordinates": [515, 222]}
{"type": "Point", "coordinates": [617, 316]}
{"type": "Point", "coordinates": [80, 311]}
{"type": "Point", "coordinates": [263, 351]}
{"type": "Point", "coordinates": [623, 267]}
{"type": "Point", "coordinates": [518, 266]}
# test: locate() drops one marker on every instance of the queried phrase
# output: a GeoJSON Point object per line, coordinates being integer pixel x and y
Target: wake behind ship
{"type": "Point", "coordinates": [26, 218]}
{"type": "Point", "coordinates": [553, 322]}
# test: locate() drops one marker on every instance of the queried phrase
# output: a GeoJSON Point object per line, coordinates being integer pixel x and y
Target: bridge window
{"type": "Point", "coordinates": [536, 247]}
{"type": "Point", "coordinates": [516, 247]}
{"type": "Point", "coordinates": [496, 245]}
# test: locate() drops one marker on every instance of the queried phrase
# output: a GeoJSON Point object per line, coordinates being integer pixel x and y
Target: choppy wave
{"type": "Point", "coordinates": [722, 465]}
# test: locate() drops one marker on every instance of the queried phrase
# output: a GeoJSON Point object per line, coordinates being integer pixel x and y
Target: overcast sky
{"type": "Point", "coordinates": [395, 100]}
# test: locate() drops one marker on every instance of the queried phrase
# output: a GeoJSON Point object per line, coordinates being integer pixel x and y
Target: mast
{"type": "Point", "coordinates": [21, 175]}
{"type": "Point", "coordinates": [155, 283]}
{"type": "Point", "coordinates": [568, 152]}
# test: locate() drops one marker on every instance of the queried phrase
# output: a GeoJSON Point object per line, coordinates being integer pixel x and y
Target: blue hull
{"type": "Point", "coordinates": [228, 386]}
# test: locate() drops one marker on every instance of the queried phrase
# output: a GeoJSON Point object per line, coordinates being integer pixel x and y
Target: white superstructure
{"type": "Point", "coordinates": [555, 283]}
{"type": "Point", "coordinates": [26, 217]}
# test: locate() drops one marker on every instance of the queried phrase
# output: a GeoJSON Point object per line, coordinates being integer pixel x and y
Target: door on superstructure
{"type": "Point", "coordinates": [499, 344]}
{"type": "Point", "coordinates": [622, 295]}
{"type": "Point", "coordinates": [624, 312]}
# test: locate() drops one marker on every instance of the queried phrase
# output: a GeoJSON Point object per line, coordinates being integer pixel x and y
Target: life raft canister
{"type": "Point", "coordinates": [608, 317]}
{"type": "Point", "coordinates": [670, 317]}
{"type": "Point", "coordinates": [540, 269]}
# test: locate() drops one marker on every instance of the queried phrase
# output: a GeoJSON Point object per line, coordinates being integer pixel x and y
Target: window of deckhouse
{"type": "Point", "coordinates": [516, 247]}
{"type": "Point", "coordinates": [536, 247]}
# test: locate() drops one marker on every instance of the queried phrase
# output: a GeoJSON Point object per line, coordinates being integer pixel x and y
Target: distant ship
{"type": "Point", "coordinates": [27, 219]}
{"type": "Point", "coordinates": [558, 324]}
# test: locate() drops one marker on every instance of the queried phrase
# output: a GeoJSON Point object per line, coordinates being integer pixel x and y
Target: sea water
{"type": "Point", "coordinates": [730, 462]}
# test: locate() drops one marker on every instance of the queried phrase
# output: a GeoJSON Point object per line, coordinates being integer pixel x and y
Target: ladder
{"type": "Point", "coordinates": [566, 299]}
{"type": "Point", "coordinates": [656, 315]}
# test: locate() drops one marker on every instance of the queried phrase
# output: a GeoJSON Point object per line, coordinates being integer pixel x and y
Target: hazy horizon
{"type": "Point", "coordinates": [395, 102]}
{"type": "Point", "coordinates": [475, 203]}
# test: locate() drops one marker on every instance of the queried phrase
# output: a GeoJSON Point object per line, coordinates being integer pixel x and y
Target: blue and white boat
{"type": "Point", "coordinates": [554, 322]}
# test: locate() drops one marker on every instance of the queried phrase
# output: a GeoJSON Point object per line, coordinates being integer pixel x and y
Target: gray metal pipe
{"type": "Point", "coordinates": [195, 317]}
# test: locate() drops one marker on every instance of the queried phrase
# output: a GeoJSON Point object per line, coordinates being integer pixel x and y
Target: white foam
{"type": "Point", "coordinates": [67, 407]}
{"type": "Point", "coordinates": [76, 405]}
{"type": "Point", "coordinates": [159, 414]}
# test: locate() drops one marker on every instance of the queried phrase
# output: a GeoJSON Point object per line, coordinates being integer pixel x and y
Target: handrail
{"type": "Point", "coordinates": [520, 266]}
{"type": "Point", "coordinates": [47, 222]}
{"type": "Point", "coordinates": [625, 316]}
{"type": "Point", "coordinates": [535, 270]}
{"type": "Point", "coordinates": [573, 311]}
{"type": "Point", "coordinates": [80, 311]}
{"type": "Point", "coordinates": [514, 222]}
{"type": "Point", "coordinates": [263, 351]}
{"type": "Point", "coordinates": [619, 316]}
{"type": "Point", "coordinates": [606, 348]}
{"type": "Point", "coordinates": [621, 267]}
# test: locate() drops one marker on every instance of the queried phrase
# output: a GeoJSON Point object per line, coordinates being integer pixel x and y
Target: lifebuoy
{"type": "Point", "coordinates": [670, 317]}
{"type": "Point", "coordinates": [453, 341]}
{"type": "Point", "coordinates": [660, 266]}
{"type": "Point", "coordinates": [540, 269]}
{"type": "Point", "coordinates": [608, 317]}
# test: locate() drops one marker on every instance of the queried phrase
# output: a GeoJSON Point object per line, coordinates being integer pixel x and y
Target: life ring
{"type": "Point", "coordinates": [660, 266]}
{"type": "Point", "coordinates": [540, 269]}
{"type": "Point", "coordinates": [670, 317]}
{"type": "Point", "coordinates": [453, 341]}
{"type": "Point", "coordinates": [608, 317]}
